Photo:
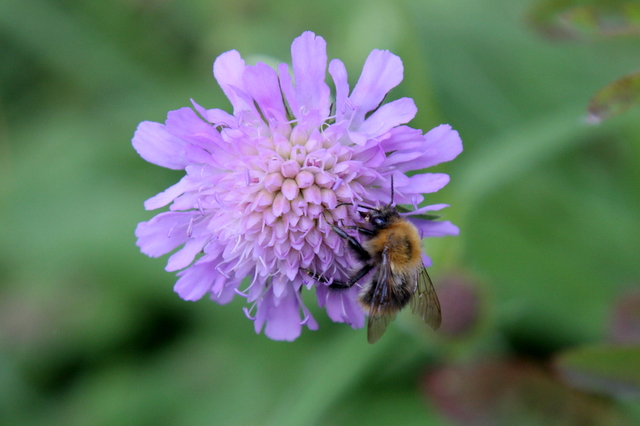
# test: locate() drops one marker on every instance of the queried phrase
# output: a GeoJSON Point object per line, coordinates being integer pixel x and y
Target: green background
{"type": "Point", "coordinates": [91, 332]}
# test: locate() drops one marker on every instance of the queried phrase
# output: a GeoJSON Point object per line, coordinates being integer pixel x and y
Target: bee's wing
{"type": "Point", "coordinates": [379, 318]}
{"type": "Point", "coordinates": [377, 325]}
{"type": "Point", "coordinates": [425, 300]}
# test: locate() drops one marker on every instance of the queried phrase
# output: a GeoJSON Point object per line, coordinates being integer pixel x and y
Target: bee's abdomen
{"type": "Point", "coordinates": [386, 297]}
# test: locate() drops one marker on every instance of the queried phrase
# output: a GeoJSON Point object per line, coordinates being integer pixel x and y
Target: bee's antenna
{"type": "Point", "coordinates": [391, 191]}
{"type": "Point", "coordinates": [344, 204]}
{"type": "Point", "coordinates": [358, 206]}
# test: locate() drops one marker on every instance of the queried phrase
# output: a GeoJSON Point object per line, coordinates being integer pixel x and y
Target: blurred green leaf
{"type": "Point", "coordinates": [517, 151]}
{"type": "Point", "coordinates": [505, 393]}
{"type": "Point", "coordinates": [615, 98]}
{"type": "Point", "coordinates": [603, 368]}
{"type": "Point", "coordinates": [552, 281]}
{"type": "Point", "coordinates": [579, 18]}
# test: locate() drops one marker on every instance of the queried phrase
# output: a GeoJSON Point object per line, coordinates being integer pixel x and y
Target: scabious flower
{"type": "Point", "coordinates": [263, 183]}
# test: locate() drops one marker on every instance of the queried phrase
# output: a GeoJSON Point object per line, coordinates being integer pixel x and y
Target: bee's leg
{"type": "Point", "coordinates": [354, 245]}
{"type": "Point", "coordinates": [321, 278]}
{"type": "Point", "coordinates": [363, 231]}
{"type": "Point", "coordinates": [315, 275]}
{"type": "Point", "coordinates": [337, 284]}
{"type": "Point", "coordinates": [355, 278]}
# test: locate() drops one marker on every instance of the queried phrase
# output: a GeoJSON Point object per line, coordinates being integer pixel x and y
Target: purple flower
{"type": "Point", "coordinates": [261, 183]}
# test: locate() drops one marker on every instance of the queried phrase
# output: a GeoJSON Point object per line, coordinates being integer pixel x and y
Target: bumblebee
{"type": "Point", "coordinates": [393, 250]}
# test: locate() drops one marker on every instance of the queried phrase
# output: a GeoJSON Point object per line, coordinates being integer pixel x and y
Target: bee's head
{"type": "Point", "coordinates": [382, 217]}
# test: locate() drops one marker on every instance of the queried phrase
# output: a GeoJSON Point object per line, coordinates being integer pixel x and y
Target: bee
{"type": "Point", "coordinates": [393, 251]}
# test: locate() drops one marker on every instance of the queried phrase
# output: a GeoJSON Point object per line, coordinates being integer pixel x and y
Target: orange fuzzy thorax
{"type": "Point", "coordinates": [403, 245]}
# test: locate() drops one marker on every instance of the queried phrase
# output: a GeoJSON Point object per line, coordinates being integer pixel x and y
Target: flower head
{"type": "Point", "coordinates": [263, 184]}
